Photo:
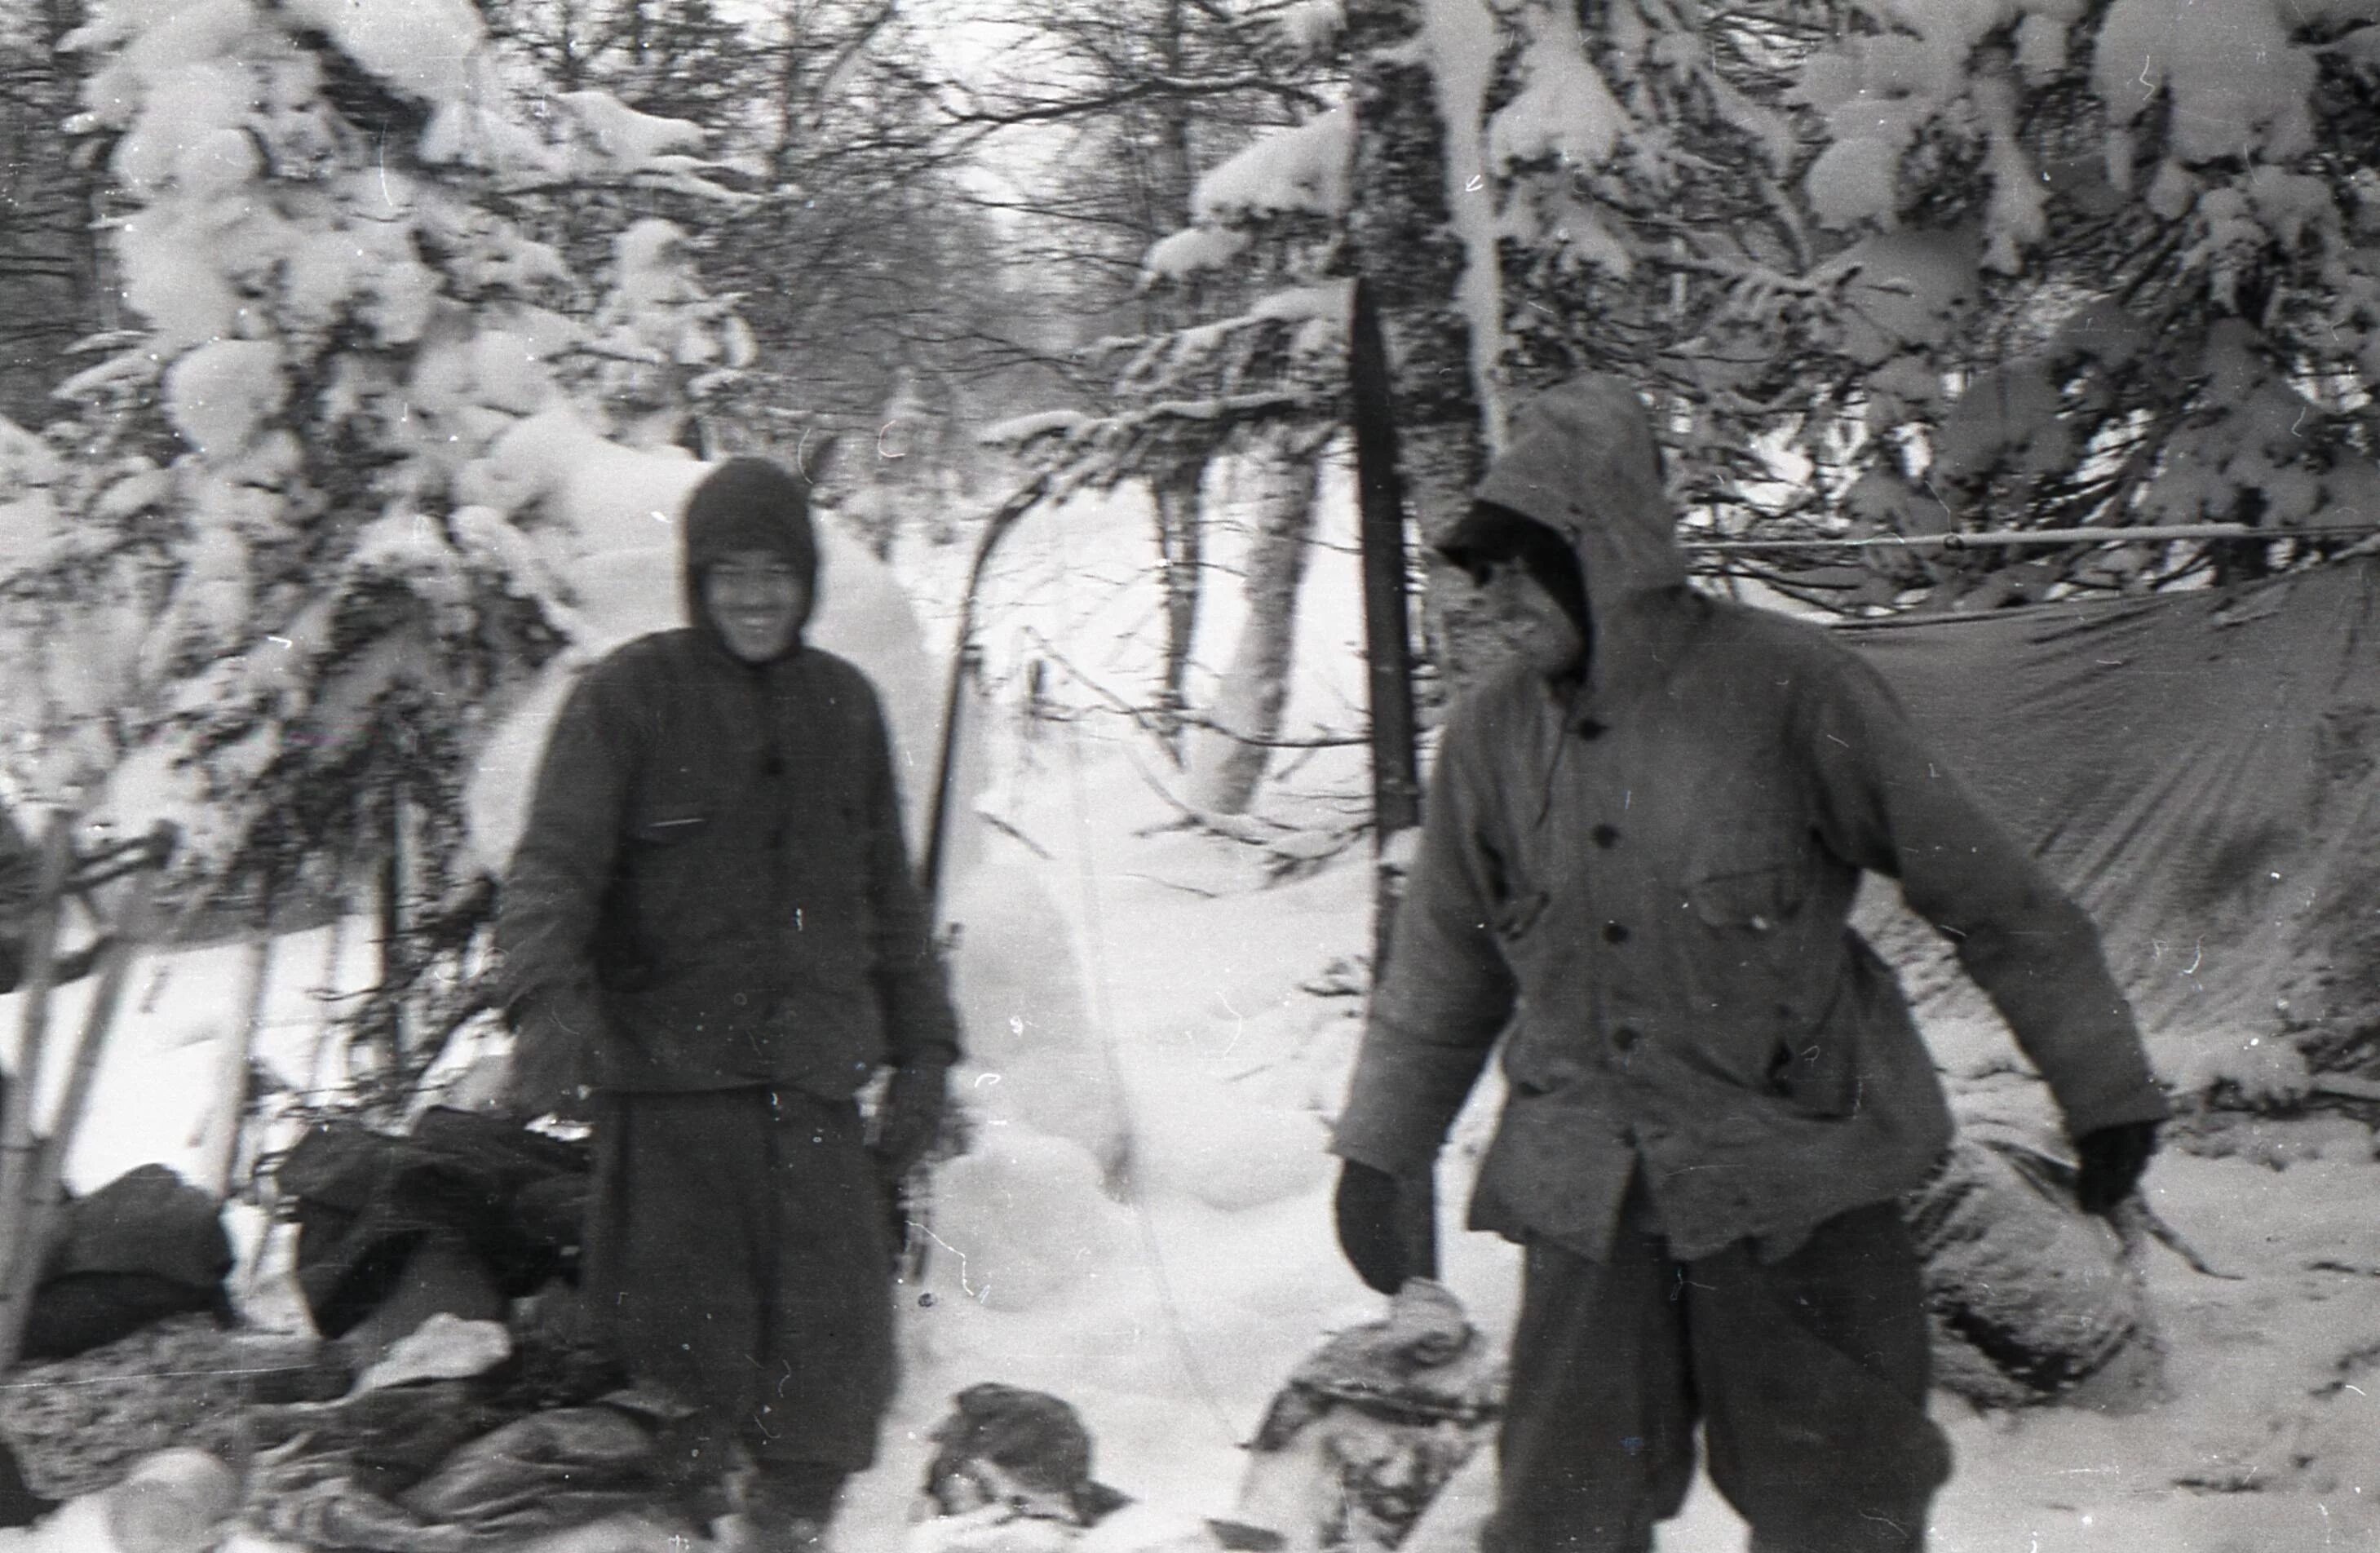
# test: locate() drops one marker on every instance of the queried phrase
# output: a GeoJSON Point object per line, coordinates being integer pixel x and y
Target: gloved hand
{"type": "Point", "coordinates": [911, 1118]}
{"type": "Point", "coordinates": [2111, 1160]}
{"type": "Point", "coordinates": [1370, 1227]}
{"type": "Point", "coordinates": [546, 1074]}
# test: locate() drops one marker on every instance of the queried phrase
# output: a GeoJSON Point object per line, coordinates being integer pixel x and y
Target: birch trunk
{"type": "Point", "coordinates": [1181, 561]}
{"type": "Point", "coordinates": [1228, 759]}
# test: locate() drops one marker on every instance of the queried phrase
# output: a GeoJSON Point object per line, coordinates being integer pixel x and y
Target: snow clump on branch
{"type": "Point", "coordinates": [1312, 26]}
{"type": "Point", "coordinates": [1565, 111]}
{"type": "Point", "coordinates": [1304, 168]}
{"type": "Point", "coordinates": [1179, 255]}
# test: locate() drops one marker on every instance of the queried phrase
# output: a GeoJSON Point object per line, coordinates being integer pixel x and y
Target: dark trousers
{"type": "Point", "coordinates": [1808, 1375]}
{"type": "Point", "coordinates": [737, 1255]}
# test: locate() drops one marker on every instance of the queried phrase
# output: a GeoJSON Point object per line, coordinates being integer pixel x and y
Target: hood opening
{"type": "Point", "coordinates": [746, 504]}
{"type": "Point", "coordinates": [1489, 534]}
{"type": "Point", "coordinates": [1583, 462]}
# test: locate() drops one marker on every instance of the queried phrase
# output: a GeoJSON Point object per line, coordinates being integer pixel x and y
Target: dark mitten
{"type": "Point", "coordinates": [2112, 1159]}
{"type": "Point", "coordinates": [1370, 1231]}
{"type": "Point", "coordinates": [548, 1070]}
{"type": "Point", "coordinates": [912, 1117]}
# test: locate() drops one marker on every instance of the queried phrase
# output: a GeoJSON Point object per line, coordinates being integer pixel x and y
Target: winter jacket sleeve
{"type": "Point", "coordinates": [921, 1030]}
{"type": "Point", "coordinates": [1888, 806]}
{"type": "Point", "coordinates": [1446, 992]}
{"type": "Point", "coordinates": [553, 897]}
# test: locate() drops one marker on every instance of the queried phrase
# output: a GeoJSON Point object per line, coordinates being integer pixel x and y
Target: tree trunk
{"type": "Point", "coordinates": [1405, 241]}
{"type": "Point", "coordinates": [1228, 760]}
{"type": "Point", "coordinates": [48, 244]}
{"type": "Point", "coordinates": [1181, 560]}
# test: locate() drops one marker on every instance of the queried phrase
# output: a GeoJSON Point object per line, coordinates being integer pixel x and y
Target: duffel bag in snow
{"type": "Point", "coordinates": [367, 1201]}
{"type": "Point", "coordinates": [2032, 1299]}
{"type": "Point", "coordinates": [145, 1246]}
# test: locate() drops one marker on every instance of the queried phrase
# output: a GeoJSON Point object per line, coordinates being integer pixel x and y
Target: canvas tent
{"type": "Point", "coordinates": [2202, 771]}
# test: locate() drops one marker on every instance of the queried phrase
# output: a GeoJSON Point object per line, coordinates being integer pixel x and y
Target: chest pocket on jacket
{"type": "Point", "coordinates": [1755, 900]}
{"type": "Point", "coordinates": [661, 859]}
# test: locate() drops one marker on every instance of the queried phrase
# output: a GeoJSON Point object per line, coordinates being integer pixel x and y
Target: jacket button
{"type": "Point", "coordinates": [1606, 835]}
{"type": "Point", "coordinates": [1626, 1037]}
{"type": "Point", "coordinates": [1615, 932]}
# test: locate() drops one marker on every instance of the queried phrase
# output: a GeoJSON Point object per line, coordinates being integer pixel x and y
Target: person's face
{"type": "Point", "coordinates": [1538, 629]}
{"type": "Point", "coordinates": [757, 601]}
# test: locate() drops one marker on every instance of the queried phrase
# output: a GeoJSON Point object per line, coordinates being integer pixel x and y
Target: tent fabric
{"type": "Point", "coordinates": [2200, 771]}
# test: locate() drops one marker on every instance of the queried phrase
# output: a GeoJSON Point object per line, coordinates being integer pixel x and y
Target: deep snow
{"type": "Point", "coordinates": [1147, 1003]}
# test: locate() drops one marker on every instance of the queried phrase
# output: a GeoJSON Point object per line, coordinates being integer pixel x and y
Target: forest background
{"type": "Point", "coordinates": [296, 295]}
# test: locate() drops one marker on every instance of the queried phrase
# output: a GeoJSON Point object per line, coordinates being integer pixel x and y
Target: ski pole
{"type": "Point", "coordinates": [912, 1196]}
{"type": "Point", "coordinates": [963, 660]}
{"type": "Point", "coordinates": [47, 1168]}
{"type": "Point", "coordinates": [18, 1160]}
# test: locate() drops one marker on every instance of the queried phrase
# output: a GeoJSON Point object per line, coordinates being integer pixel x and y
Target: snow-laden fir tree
{"type": "Point", "coordinates": [1898, 266]}
{"type": "Point", "coordinates": [270, 584]}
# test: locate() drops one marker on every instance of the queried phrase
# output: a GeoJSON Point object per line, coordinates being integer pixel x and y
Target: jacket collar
{"type": "Point", "coordinates": [1638, 642]}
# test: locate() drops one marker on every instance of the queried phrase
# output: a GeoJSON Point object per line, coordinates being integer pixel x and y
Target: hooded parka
{"type": "Point", "coordinates": [710, 922]}
{"type": "Point", "coordinates": [712, 890]}
{"type": "Point", "coordinates": [1645, 873]}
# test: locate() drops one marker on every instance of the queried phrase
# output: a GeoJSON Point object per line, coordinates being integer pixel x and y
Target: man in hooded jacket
{"type": "Point", "coordinates": [709, 926]}
{"type": "Point", "coordinates": [1640, 852]}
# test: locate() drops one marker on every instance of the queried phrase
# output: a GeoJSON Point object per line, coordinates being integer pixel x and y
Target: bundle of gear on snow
{"type": "Point", "coordinates": [1025, 1449]}
{"type": "Point", "coordinates": [124, 1342]}
{"type": "Point", "coordinates": [467, 1437]}
{"type": "Point", "coordinates": [1011, 1473]}
{"type": "Point", "coordinates": [1373, 1423]}
{"type": "Point", "coordinates": [366, 1202]}
{"type": "Point", "coordinates": [2031, 1299]}
{"type": "Point", "coordinates": [145, 1246]}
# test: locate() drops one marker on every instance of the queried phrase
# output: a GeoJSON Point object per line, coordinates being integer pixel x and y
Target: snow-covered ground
{"type": "Point", "coordinates": [1169, 1320]}
{"type": "Point", "coordinates": [1160, 1025]}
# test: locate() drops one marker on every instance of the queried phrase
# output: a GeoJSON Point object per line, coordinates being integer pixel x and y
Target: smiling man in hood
{"type": "Point", "coordinates": [1642, 845]}
{"type": "Point", "coordinates": [710, 925]}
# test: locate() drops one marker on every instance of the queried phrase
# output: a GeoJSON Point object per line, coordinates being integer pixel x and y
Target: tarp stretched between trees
{"type": "Point", "coordinates": [2202, 771]}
